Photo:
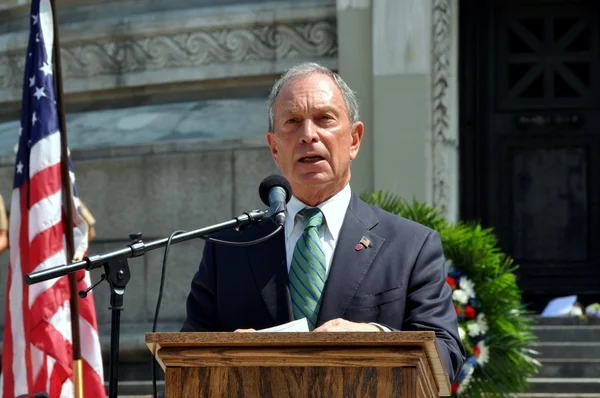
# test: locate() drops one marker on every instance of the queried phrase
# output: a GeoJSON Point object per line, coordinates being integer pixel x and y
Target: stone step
{"type": "Point", "coordinates": [547, 385]}
{"type": "Point", "coordinates": [565, 321]}
{"type": "Point", "coordinates": [557, 395]}
{"type": "Point", "coordinates": [569, 367]}
{"type": "Point", "coordinates": [133, 371]}
{"type": "Point", "coordinates": [539, 387]}
{"type": "Point", "coordinates": [137, 388]}
{"type": "Point", "coordinates": [562, 333]}
{"type": "Point", "coordinates": [571, 350]}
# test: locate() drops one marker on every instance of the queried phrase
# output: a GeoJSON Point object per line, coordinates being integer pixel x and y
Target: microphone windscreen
{"type": "Point", "coordinates": [270, 182]}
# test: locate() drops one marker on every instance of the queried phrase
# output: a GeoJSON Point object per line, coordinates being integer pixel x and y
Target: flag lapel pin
{"type": "Point", "coordinates": [363, 243]}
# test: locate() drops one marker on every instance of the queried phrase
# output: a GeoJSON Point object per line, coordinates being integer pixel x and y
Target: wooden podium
{"type": "Point", "coordinates": [393, 364]}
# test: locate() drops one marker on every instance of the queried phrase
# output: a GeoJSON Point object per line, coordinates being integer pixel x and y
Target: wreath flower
{"type": "Point", "coordinates": [472, 325]}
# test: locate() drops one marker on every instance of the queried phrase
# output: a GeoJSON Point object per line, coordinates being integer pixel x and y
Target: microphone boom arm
{"type": "Point", "coordinates": [139, 248]}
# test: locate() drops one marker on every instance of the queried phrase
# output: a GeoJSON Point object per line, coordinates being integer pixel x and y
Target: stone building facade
{"type": "Point", "coordinates": [166, 120]}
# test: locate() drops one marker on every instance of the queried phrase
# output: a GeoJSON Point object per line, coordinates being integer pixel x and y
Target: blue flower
{"type": "Point", "coordinates": [464, 371]}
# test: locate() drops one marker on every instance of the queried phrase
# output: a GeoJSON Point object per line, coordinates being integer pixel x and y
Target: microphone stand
{"type": "Point", "coordinates": [116, 273]}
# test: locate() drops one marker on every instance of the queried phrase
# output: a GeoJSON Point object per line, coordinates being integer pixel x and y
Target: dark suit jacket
{"type": "Point", "coordinates": [399, 281]}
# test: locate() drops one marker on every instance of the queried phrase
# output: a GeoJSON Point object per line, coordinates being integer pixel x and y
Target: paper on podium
{"type": "Point", "coordinates": [300, 325]}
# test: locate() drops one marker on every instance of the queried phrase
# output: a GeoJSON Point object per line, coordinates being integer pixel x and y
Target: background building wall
{"type": "Point", "coordinates": [166, 105]}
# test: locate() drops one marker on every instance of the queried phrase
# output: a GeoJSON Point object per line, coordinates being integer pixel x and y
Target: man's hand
{"type": "Point", "coordinates": [244, 330]}
{"type": "Point", "coordinates": [342, 325]}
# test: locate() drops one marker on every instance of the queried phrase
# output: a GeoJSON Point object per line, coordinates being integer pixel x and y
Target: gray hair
{"type": "Point", "coordinates": [309, 68]}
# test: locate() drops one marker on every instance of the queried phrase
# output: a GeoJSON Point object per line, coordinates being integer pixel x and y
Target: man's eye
{"type": "Point", "coordinates": [292, 120]}
{"type": "Point", "coordinates": [326, 117]}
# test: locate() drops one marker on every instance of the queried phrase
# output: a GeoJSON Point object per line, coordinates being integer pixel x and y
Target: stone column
{"type": "Point", "coordinates": [402, 96]}
{"type": "Point", "coordinates": [445, 86]}
{"type": "Point", "coordinates": [401, 58]}
{"type": "Point", "coordinates": [355, 65]}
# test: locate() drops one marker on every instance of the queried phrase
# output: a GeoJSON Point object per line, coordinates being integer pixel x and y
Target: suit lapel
{"type": "Point", "coordinates": [349, 266]}
{"type": "Point", "coordinates": [270, 273]}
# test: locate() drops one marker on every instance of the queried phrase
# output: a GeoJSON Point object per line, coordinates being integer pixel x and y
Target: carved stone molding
{"type": "Point", "coordinates": [221, 46]}
{"type": "Point", "coordinates": [443, 141]}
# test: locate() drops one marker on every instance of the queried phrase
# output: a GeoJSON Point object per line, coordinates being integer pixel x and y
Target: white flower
{"type": "Point", "coordinates": [466, 380]}
{"type": "Point", "coordinates": [482, 322]}
{"type": "Point", "coordinates": [460, 296]}
{"type": "Point", "coordinates": [593, 310]}
{"type": "Point", "coordinates": [461, 333]}
{"type": "Point", "coordinates": [467, 286]}
{"type": "Point", "coordinates": [474, 329]}
{"type": "Point", "coordinates": [484, 353]}
{"type": "Point", "coordinates": [576, 311]}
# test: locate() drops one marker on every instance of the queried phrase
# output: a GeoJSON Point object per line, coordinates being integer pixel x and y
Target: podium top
{"type": "Point", "coordinates": [425, 340]}
{"type": "Point", "coordinates": [228, 339]}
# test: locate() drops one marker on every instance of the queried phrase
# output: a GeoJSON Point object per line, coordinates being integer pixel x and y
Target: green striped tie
{"type": "Point", "coordinates": [308, 272]}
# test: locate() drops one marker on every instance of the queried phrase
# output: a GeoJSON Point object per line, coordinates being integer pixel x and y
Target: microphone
{"type": "Point", "coordinates": [275, 191]}
{"type": "Point", "coordinates": [34, 395]}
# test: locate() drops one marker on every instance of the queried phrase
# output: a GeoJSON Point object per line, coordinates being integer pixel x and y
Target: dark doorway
{"type": "Point", "coordinates": [530, 138]}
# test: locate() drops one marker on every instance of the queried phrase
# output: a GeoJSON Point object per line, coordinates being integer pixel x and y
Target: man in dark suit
{"type": "Point", "coordinates": [340, 263]}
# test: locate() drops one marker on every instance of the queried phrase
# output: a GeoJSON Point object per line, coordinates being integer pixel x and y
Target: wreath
{"type": "Point", "coordinates": [493, 324]}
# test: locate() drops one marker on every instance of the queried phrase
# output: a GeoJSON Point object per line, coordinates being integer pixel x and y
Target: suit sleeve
{"type": "Point", "coordinates": [201, 307]}
{"type": "Point", "coordinates": [429, 304]}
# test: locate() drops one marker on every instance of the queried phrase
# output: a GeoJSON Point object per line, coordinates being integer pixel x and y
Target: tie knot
{"type": "Point", "coordinates": [313, 217]}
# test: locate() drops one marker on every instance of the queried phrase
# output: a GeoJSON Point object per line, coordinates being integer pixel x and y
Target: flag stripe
{"type": "Point", "coordinates": [35, 290]}
{"type": "Point", "coordinates": [45, 153]}
{"type": "Point", "coordinates": [49, 302]}
{"type": "Point", "coordinates": [23, 245]}
{"type": "Point", "coordinates": [93, 385]}
{"type": "Point", "coordinates": [46, 245]}
{"type": "Point", "coordinates": [87, 310]}
{"type": "Point", "coordinates": [45, 214]}
{"type": "Point", "coordinates": [40, 371]}
{"type": "Point", "coordinates": [38, 361]}
{"type": "Point", "coordinates": [53, 343]}
{"type": "Point", "coordinates": [92, 366]}
{"type": "Point", "coordinates": [45, 183]}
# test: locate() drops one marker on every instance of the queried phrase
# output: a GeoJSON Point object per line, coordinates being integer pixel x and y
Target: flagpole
{"type": "Point", "coordinates": [68, 202]}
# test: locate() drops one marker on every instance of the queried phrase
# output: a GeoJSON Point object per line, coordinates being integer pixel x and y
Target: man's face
{"type": "Point", "coordinates": [312, 140]}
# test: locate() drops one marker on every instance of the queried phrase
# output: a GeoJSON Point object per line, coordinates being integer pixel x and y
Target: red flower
{"type": "Point", "coordinates": [476, 350]}
{"type": "Point", "coordinates": [469, 312]}
{"type": "Point", "coordinates": [454, 387]}
{"type": "Point", "coordinates": [457, 309]}
{"type": "Point", "coordinates": [450, 280]}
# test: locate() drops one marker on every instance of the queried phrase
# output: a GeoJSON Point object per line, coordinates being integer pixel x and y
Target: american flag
{"type": "Point", "coordinates": [37, 353]}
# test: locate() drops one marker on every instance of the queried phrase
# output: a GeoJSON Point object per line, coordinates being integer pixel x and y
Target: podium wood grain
{"type": "Point", "coordinates": [398, 364]}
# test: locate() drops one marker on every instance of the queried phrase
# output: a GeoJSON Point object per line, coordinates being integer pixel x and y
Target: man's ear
{"type": "Point", "coordinates": [357, 135]}
{"type": "Point", "coordinates": [272, 146]}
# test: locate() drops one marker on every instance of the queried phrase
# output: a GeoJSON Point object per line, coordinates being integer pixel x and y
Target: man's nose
{"type": "Point", "coordinates": [308, 132]}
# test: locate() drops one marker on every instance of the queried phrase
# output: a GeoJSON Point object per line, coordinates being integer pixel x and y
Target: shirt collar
{"type": "Point", "coordinates": [334, 211]}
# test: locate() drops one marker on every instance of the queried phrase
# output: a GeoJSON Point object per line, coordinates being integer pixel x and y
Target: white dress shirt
{"type": "Point", "coordinates": [334, 211]}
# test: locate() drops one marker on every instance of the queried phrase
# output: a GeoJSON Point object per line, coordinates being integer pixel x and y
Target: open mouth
{"type": "Point", "coordinates": [310, 159]}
